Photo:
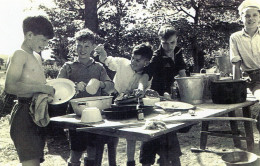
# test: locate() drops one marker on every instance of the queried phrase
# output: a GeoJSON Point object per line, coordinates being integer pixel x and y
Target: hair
{"type": "Point", "coordinates": [144, 50]}
{"type": "Point", "coordinates": [166, 31]}
{"type": "Point", "coordinates": [38, 25]}
{"type": "Point", "coordinates": [85, 34]}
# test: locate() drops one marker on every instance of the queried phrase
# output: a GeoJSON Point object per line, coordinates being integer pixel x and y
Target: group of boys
{"type": "Point", "coordinates": [25, 78]}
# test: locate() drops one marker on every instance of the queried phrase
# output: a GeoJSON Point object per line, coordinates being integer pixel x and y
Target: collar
{"type": "Point", "coordinates": [176, 51]}
{"type": "Point", "coordinates": [246, 34]}
{"type": "Point", "coordinates": [90, 62]}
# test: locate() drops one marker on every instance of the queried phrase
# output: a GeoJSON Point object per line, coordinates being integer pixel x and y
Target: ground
{"type": "Point", "coordinates": [57, 149]}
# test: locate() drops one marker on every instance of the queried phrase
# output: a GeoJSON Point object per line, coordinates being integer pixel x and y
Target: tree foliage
{"type": "Point", "coordinates": [203, 25]}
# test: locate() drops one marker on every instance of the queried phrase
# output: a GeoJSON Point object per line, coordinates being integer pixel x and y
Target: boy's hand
{"type": "Point", "coordinates": [81, 86]}
{"type": "Point", "coordinates": [100, 51]}
{"type": "Point", "coordinates": [49, 90]}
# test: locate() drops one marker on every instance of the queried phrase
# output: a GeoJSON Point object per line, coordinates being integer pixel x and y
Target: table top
{"type": "Point", "coordinates": [137, 131]}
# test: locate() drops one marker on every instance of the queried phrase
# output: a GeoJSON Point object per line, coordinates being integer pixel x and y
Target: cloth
{"type": "Point", "coordinates": [77, 72]}
{"type": "Point", "coordinates": [163, 69]}
{"type": "Point", "coordinates": [167, 146]}
{"type": "Point", "coordinates": [28, 138]}
{"type": "Point", "coordinates": [39, 109]}
{"type": "Point", "coordinates": [248, 3]}
{"type": "Point", "coordinates": [245, 49]}
{"type": "Point", "coordinates": [126, 80]}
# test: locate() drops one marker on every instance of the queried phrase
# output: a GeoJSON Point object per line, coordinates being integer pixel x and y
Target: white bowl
{"type": "Point", "coordinates": [150, 101]}
{"type": "Point", "coordinates": [91, 115]}
{"type": "Point", "coordinates": [101, 102]}
{"type": "Point", "coordinates": [64, 90]}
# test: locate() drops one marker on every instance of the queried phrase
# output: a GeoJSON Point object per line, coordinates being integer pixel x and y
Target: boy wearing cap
{"type": "Point", "coordinates": [245, 47]}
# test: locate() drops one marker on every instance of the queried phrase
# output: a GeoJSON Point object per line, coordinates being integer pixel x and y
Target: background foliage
{"type": "Point", "coordinates": [204, 25]}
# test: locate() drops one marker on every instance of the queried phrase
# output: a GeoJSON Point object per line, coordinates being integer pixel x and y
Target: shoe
{"type": "Point", "coordinates": [73, 164]}
{"type": "Point", "coordinates": [89, 162]}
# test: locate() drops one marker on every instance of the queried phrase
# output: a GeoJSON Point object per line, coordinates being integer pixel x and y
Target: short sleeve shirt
{"type": "Point", "coordinates": [245, 49]}
{"type": "Point", "coordinates": [78, 72]}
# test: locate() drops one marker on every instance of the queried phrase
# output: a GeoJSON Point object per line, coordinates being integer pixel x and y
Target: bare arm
{"type": "Point", "coordinates": [236, 70]}
{"type": "Point", "coordinates": [13, 85]}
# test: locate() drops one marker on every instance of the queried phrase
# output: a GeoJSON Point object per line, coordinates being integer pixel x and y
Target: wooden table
{"type": "Point", "coordinates": [138, 133]}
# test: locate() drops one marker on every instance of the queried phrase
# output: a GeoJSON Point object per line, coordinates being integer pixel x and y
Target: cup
{"type": "Point", "coordinates": [93, 86]}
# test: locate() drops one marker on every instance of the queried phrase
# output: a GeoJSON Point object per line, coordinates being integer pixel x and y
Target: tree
{"type": "Point", "coordinates": [207, 24]}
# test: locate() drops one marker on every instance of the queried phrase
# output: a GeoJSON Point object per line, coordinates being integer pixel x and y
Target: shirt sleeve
{"type": "Point", "coordinates": [113, 63]}
{"type": "Point", "coordinates": [150, 69]}
{"type": "Point", "coordinates": [103, 75]}
{"type": "Point", "coordinates": [234, 54]}
{"type": "Point", "coordinates": [180, 64]}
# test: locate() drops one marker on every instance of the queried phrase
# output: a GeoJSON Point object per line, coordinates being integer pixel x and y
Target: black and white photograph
{"type": "Point", "coordinates": [129, 82]}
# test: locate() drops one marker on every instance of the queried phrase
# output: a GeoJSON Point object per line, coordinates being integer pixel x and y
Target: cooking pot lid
{"type": "Point", "coordinates": [64, 90]}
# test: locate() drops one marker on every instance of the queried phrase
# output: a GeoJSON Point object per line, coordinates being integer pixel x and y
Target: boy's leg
{"type": "Point", "coordinates": [130, 152]}
{"type": "Point", "coordinates": [148, 151]}
{"type": "Point", "coordinates": [74, 159]}
{"type": "Point", "coordinates": [112, 145]}
{"type": "Point", "coordinates": [34, 162]}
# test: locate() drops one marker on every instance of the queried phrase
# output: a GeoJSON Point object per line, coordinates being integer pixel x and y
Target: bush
{"type": "Point", "coordinates": [51, 71]}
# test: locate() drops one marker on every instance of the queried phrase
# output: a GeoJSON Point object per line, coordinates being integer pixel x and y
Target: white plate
{"type": "Point", "coordinates": [174, 106]}
{"type": "Point", "coordinates": [64, 90]}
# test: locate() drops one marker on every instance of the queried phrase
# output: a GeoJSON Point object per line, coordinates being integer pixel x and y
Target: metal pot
{"type": "Point", "coordinates": [125, 111]}
{"type": "Point", "coordinates": [228, 91]}
{"type": "Point", "coordinates": [240, 158]}
{"type": "Point", "coordinates": [101, 102]}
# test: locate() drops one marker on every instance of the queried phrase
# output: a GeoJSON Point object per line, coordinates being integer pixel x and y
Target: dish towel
{"type": "Point", "coordinates": [39, 109]}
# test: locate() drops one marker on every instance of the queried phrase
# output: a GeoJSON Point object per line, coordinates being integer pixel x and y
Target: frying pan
{"type": "Point", "coordinates": [125, 111]}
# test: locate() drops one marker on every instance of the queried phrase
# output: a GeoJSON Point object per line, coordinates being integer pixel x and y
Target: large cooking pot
{"type": "Point", "coordinates": [125, 111]}
{"type": "Point", "coordinates": [101, 102]}
{"type": "Point", "coordinates": [228, 91]}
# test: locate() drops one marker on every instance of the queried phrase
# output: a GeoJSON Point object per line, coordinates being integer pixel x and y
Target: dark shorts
{"type": "Point", "coordinates": [166, 146]}
{"type": "Point", "coordinates": [28, 138]}
{"type": "Point", "coordinates": [80, 140]}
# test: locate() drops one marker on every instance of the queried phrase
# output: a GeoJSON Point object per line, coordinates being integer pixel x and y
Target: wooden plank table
{"type": "Point", "coordinates": [139, 133]}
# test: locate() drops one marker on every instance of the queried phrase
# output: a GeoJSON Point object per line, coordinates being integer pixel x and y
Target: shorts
{"type": "Point", "coordinates": [28, 138]}
{"type": "Point", "coordinates": [166, 146]}
{"type": "Point", "coordinates": [79, 141]}
{"type": "Point", "coordinates": [254, 83]}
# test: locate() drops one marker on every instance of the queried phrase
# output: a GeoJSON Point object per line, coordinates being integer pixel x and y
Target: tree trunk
{"type": "Point", "coordinates": [91, 17]}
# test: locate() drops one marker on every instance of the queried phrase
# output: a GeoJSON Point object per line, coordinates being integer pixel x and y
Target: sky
{"type": "Point", "coordinates": [11, 16]}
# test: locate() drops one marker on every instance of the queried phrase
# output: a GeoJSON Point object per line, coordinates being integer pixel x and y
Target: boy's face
{"type": "Point", "coordinates": [169, 44]}
{"type": "Point", "coordinates": [138, 62]}
{"type": "Point", "coordinates": [250, 17]}
{"type": "Point", "coordinates": [84, 48]}
{"type": "Point", "coordinates": [38, 42]}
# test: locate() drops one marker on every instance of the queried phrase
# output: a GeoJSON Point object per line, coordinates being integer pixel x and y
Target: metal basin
{"type": "Point", "coordinates": [240, 158]}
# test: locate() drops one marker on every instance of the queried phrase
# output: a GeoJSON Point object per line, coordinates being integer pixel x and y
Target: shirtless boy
{"type": "Point", "coordinates": [25, 77]}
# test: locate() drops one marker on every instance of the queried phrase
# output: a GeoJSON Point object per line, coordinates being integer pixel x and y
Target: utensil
{"type": "Point", "coordinates": [101, 102]}
{"type": "Point", "coordinates": [228, 91]}
{"type": "Point", "coordinates": [241, 158]}
{"type": "Point", "coordinates": [64, 90]}
{"type": "Point", "coordinates": [125, 111]}
{"type": "Point", "coordinates": [91, 115]}
{"type": "Point", "coordinates": [174, 106]}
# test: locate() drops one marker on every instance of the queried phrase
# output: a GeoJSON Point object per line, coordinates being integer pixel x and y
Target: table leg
{"type": "Point", "coordinates": [234, 129]}
{"type": "Point", "coordinates": [130, 150]}
{"type": "Point", "coordinates": [204, 135]}
{"type": "Point", "coordinates": [248, 129]}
